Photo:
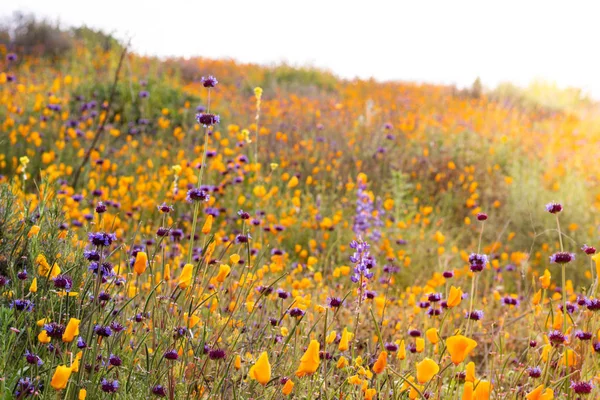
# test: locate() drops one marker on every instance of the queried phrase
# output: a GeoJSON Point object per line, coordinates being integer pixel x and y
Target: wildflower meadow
{"type": "Point", "coordinates": [205, 229]}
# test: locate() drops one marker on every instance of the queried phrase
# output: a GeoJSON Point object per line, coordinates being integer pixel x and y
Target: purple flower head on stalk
{"type": "Point", "coordinates": [534, 372]}
{"type": "Point", "coordinates": [54, 330]}
{"type": "Point", "coordinates": [556, 337]}
{"type": "Point", "coordinates": [22, 305]}
{"type": "Point", "coordinates": [11, 57]}
{"type": "Point", "coordinates": [362, 260]}
{"type": "Point", "coordinates": [109, 386]}
{"type": "Point", "coordinates": [209, 81]}
{"type": "Point", "coordinates": [478, 262]}
{"type": "Point", "coordinates": [207, 120]}
{"type": "Point", "coordinates": [582, 387]}
{"type": "Point", "coordinates": [476, 315]}
{"type": "Point", "coordinates": [334, 302]}
{"type": "Point", "coordinates": [367, 217]}
{"type": "Point", "coordinates": [589, 250]}
{"type": "Point", "coordinates": [33, 358]}
{"type": "Point", "coordinates": [216, 354]}
{"type": "Point", "coordinates": [562, 257]}
{"type": "Point", "coordinates": [583, 335]}
{"type": "Point", "coordinates": [101, 238]}
{"type": "Point", "coordinates": [197, 194]}
{"type": "Point", "coordinates": [102, 331]}
{"type": "Point", "coordinates": [105, 269]}
{"type": "Point", "coordinates": [171, 355]}
{"type": "Point", "coordinates": [159, 390]}
{"type": "Point", "coordinates": [144, 94]}
{"type": "Point", "coordinates": [63, 282]}
{"type": "Point", "coordinates": [554, 208]}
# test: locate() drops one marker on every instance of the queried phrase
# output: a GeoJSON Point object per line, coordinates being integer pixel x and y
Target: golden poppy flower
{"type": "Point", "coordinates": [426, 370]}
{"type": "Point", "coordinates": [459, 347]}
{"type": "Point", "coordinates": [61, 377]}
{"type": "Point", "coordinates": [310, 360]}
{"type": "Point", "coordinates": [261, 370]}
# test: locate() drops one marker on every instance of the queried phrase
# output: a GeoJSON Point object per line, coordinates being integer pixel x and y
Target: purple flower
{"type": "Point", "coordinates": [209, 81]}
{"type": "Point", "coordinates": [54, 330]}
{"type": "Point", "coordinates": [33, 358]}
{"type": "Point", "coordinates": [583, 335]}
{"type": "Point", "coordinates": [11, 57]}
{"type": "Point", "coordinates": [22, 305]}
{"type": "Point", "coordinates": [582, 387]}
{"type": "Point", "coordinates": [144, 94]}
{"type": "Point", "coordinates": [101, 238]}
{"type": "Point", "coordinates": [362, 260]}
{"type": "Point", "coordinates": [101, 207]}
{"type": "Point", "coordinates": [476, 315]}
{"type": "Point", "coordinates": [102, 331]}
{"type": "Point", "coordinates": [589, 250]}
{"type": "Point", "coordinates": [159, 391]}
{"type": "Point", "coordinates": [554, 208]}
{"type": "Point", "coordinates": [534, 372]}
{"type": "Point", "coordinates": [91, 255]}
{"type": "Point", "coordinates": [334, 302]}
{"type": "Point", "coordinates": [171, 355]}
{"type": "Point", "coordinates": [296, 312]}
{"type": "Point", "coordinates": [197, 194]}
{"type": "Point", "coordinates": [478, 262]}
{"type": "Point", "coordinates": [391, 347]}
{"type": "Point", "coordinates": [110, 386]}
{"type": "Point", "coordinates": [164, 208]}
{"type": "Point", "coordinates": [63, 282]}
{"type": "Point", "coordinates": [115, 361]}
{"type": "Point", "coordinates": [216, 354]}
{"type": "Point", "coordinates": [207, 120]}
{"type": "Point", "coordinates": [556, 337]}
{"type": "Point", "coordinates": [562, 257]}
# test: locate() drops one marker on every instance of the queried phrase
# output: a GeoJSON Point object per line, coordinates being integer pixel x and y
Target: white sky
{"type": "Point", "coordinates": [432, 41]}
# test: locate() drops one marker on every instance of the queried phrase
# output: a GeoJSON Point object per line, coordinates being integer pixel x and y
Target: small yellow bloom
{"type": "Point", "coordinates": [470, 372]}
{"type": "Point", "coordinates": [344, 341]}
{"type": "Point", "coordinates": [454, 297]}
{"type": "Point", "coordinates": [43, 337]}
{"type": "Point", "coordinates": [82, 394]}
{"type": "Point", "coordinates": [206, 228]}
{"type": "Point", "coordinates": [381, 363]}
{"type": "Point", "coordinates": [432, 335]}
{"type": "Point", "coordinates": [33, 231]}
{"type": "Point", "coordinates": [539, 393]}
{"type": "Point", "coordinates": [61, 377]}
{"type": "Point", "coordinates": [426, 370]}
{"type": "Point", "coordinates": [33, 287]}
{"type": "Point", "coordinates": [545, 279]}
{"type": "Point", "coordinates": [141, 262]}
{"type": "Point", "coordinates": [261, 370]}
{"type": "Point", "coordinates": [71, 330]}
{"type": "Point", "coordinates": [224, 271]}
{"type": "Point", "coordinates": [185, 279]}
{"type": "Point", "coordinates": [288, 387]}
{"type": "Point", "coordinates": [310, 361]}
{"type": "Point", "coordinates": [459, 347]}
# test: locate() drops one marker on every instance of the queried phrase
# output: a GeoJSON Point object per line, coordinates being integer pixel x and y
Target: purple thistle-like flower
{"type": "Point", "coordinates": [22, 305]}
{"type": "Point", "coordinates": [209, 81]}
{"type": "Point", "coordinates": [101, 207]}
{"type": "Point", "coordinates": [32, 358]}
{"type": "Point", "coordinates": [63, 282]}
{"type": "Point", "coordinates": [476, 315]}
{"type": "Point", "coordinates": [102, 331]}
{"type": "Point", "coordinates": [596, 346]}
{"type": "Point", "coordinates": [144, 94]}
{"type": "Point", "coordinates": [115, 361]}
{"type": "Point", "coordinates": [478, 262]}
{"type": "Point", "coordinates": [534, 372]}
{"type": "Point", "coordinates": [164, 208]}
{"type": "Point", "coordinates": [11, 57]}
{"type": "Point", "coordinates": [109, 386]}
{"type": "Point", "coordinates": [583, 335]}
{"type": "Point", "coordinates": [159, 391]}
{"type": "Point", "coordinates": [589, 250]}
{"type": "Point", "coordinates": [81, 344]}
{"type": "Point", "coordinates": [22, 275]}
{"type": "Point", "coordinates": [171, 355]}
{"type": "Point", "coordinates": [197, 194]}
{"type": "Point", "coordinates": [334, 302]}
{"type": "Point", "coordinates": [207, 120]}
{"type": "Point", "coordinates": [582, 387]}
{"type": "Point", "coordinates": [101, 238]}
{"type": "Point", "coordinates": [562, 257]}
{"type": "Point", "coordinates": [391, 347]}
{"type": "Point", "coordinates": [54, 330]}
{"type": "Point", "coordinates": [216, 354]}
{"type": "Point", "coordinates": [296, 312]}
{"type": "Point", "coordinates": [105, 269]}
{"type": "Point", "coordinates": [556, 337]}
{"type": "Point", "coordinates": [554, 208]}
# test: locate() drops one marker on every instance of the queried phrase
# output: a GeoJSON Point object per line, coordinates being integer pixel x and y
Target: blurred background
{"type": "Point", "coordinates": [537, 43]}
